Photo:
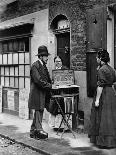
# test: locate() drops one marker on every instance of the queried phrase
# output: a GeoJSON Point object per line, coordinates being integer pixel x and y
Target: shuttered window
{"type": "Point", "coordinates": [14, 63]}
{"type": "Point", "coordinates": [15, 57]}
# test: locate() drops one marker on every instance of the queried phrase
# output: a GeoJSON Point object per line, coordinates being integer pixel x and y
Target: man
{"type": "Point", "coordinates": [40, 87]}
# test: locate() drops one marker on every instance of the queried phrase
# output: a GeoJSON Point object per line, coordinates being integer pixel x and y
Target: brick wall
{"type": "Point", "coordinates": [20, 8]}
{"type": "Point", "coordinates": [75, 11]}
{"type": "Point", "coordinates": [76, 17]}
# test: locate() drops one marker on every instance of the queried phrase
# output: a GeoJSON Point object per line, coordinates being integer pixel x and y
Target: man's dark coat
{"type": "Point", "coordinates": [40, 86]}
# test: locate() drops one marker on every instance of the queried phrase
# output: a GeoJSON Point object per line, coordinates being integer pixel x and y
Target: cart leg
{"type": "Point", "coordinates": [60, 126]}
{"type": "Point", "coordinates": [67, 124]}
{"type": "Point", "coordinates": [63, 116]}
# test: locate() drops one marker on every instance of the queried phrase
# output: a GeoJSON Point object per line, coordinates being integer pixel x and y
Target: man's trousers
{"type": "Point", "coordinates": [37, 120]}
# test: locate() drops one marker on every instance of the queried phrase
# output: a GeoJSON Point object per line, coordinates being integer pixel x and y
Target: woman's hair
{"type": "Point", "coordinates": [57, 57]}
{"type": "Point", "coordinates": [103, 55]}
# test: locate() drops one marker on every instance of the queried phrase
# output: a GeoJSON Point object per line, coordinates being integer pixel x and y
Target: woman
{"type": "Point", "coordinates": [54, 118]}
{"type": "Point", "coordinates": [103, 113]}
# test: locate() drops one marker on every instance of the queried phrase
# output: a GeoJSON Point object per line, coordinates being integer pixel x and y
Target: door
{"type": "Point", "coordinates": [63, 48]}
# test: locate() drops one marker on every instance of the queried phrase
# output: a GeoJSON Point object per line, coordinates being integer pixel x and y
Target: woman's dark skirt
{"type": "Point", "coordinates": [102, 130]}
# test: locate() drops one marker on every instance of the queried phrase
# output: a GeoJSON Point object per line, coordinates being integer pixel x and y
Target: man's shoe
{"type": "Point", "coordinates": [41, 134]}
{"type": "Point", "coordinates": [33, 133]}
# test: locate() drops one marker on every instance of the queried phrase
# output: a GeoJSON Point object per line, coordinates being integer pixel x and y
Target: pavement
{"type": "Point", "coordinates": [17, 130]}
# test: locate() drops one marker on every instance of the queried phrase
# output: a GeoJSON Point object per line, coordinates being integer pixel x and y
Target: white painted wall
{"type": "Point", "coordinates": [40, 33]}
{"type": "Point", "coordinates": [52, 47]}
{"type": "Point", "coordinates": [40, 37]}
{"type": "Point", "coordinates": [110, 37]}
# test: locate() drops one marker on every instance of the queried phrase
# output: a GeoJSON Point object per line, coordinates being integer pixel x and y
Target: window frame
{"type": "Point", "coordinates": [17, 65]}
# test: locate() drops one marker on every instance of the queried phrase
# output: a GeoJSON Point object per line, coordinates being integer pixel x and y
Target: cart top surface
{"type": "Point", "coordinates": [63, 77]}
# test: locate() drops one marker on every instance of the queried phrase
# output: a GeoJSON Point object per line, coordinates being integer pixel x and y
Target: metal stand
{"type": "Point", "coordinates": [64, 120]}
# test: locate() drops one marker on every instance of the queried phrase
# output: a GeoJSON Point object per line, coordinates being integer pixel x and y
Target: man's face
{"type": "Point", "coordinates": [44, 59]}
{"type": "Point", "coordinates": [58, 62]}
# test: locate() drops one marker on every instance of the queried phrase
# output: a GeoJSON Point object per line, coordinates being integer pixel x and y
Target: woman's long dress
{"type": "Point", "coordinates": [103, 118]}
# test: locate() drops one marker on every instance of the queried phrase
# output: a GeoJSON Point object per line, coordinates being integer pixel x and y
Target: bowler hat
{"type": "Point", "coordinates": [42, 50]}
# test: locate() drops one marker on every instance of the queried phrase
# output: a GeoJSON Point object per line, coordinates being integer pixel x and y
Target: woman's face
{"type": "Point", "coordinates": [98, 60]}
{"type": "Point", "coordinates": [58, 62]}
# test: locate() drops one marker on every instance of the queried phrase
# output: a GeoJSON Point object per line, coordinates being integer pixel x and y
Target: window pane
{"type": "Point", "coordinates": [9, 58]}
{"type": "Point", "coordinates": [15, 46]}
{"type": "Point", "coordinates": [7, 71]}
{"type": "Point", "coordinates": [27, 83]}
{"type": "Point", "coordinates": [1, 48]}
{"type": "Point", "coordinates": [21, 70]}
{"type": "Point", "coordinates": [10, 45]}
{"type": "Point", "coordinates": [27, 70]}
{"type": "Point", "coordinates": [27, 44]}
{"type": "Point", "coordinates": [21, 46]}
{"type": "Point", "coordinates": [7, 81]}
{"type": "Point", "coordinates": [5, 59]}
{"type": "Point", "coordinates": [21, 58]}
{"type": "Point", "coordinates": [0, 59]}
{"type": "Point", "coordinates": [21, 82]}
{"type": "Point", "coordinates": [2, 81]}
{"type": "Point", "coordinates": [12, 71]}
{"type": "Point", "coordinates": [16, 82]}
{"type": "Point", "coordinates": [15, 58]}
{"type": "Point", "coordinates": [5, 47]}
{"type": "Point", "coordinates": [2, 70]}
{"type": "Point", "coordinates": [16, 71]}
{"type": "Point", "coordinates": [12, 81]}
{"type": "Point", "coordinates": [26, 58]}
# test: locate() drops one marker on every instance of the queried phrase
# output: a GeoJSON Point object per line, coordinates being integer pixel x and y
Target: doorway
{"type": "Point", "coordinates": [63, 48]}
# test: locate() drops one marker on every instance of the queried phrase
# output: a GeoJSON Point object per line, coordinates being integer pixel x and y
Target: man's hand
{"type": "Point", "coordinates": [97, 103]}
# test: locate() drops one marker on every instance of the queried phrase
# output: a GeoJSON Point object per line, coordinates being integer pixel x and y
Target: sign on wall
{"type": "Point", "coordinates": [23, 103]}
{"type": "Point", "coordinates": [10, 99]}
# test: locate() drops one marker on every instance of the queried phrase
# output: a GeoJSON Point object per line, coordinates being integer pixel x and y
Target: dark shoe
{"type": "Point", "coordinates": [33, 133]}
{"type": "Point", "coordinates": [41, 134]}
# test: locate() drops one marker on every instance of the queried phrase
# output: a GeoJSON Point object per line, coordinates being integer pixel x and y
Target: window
{"type": "Point", "coordinates": [14, 45]}
{"type": "Point", "coordinates": [14, 63]}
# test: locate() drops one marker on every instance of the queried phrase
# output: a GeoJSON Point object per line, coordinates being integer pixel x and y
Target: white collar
{"type": "Point", "coordinates": [40, 61]}
{"type": "Point", "coordinates": [59, 67]}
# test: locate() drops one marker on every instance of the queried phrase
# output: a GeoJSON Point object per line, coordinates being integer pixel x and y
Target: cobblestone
{"type": "Point", "coordinates": [8, 147]}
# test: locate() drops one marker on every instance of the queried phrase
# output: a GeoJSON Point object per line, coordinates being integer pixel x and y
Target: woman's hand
{"type": "Point", "coordinates": [99, 92]}
{"type": "Point", "coordinates": [97, 103]}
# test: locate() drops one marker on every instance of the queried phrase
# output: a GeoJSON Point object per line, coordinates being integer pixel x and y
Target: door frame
{"type": "Point", "coordinates": [110, 37]}
{"type": "Point", "coordinates": [56, 34]}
